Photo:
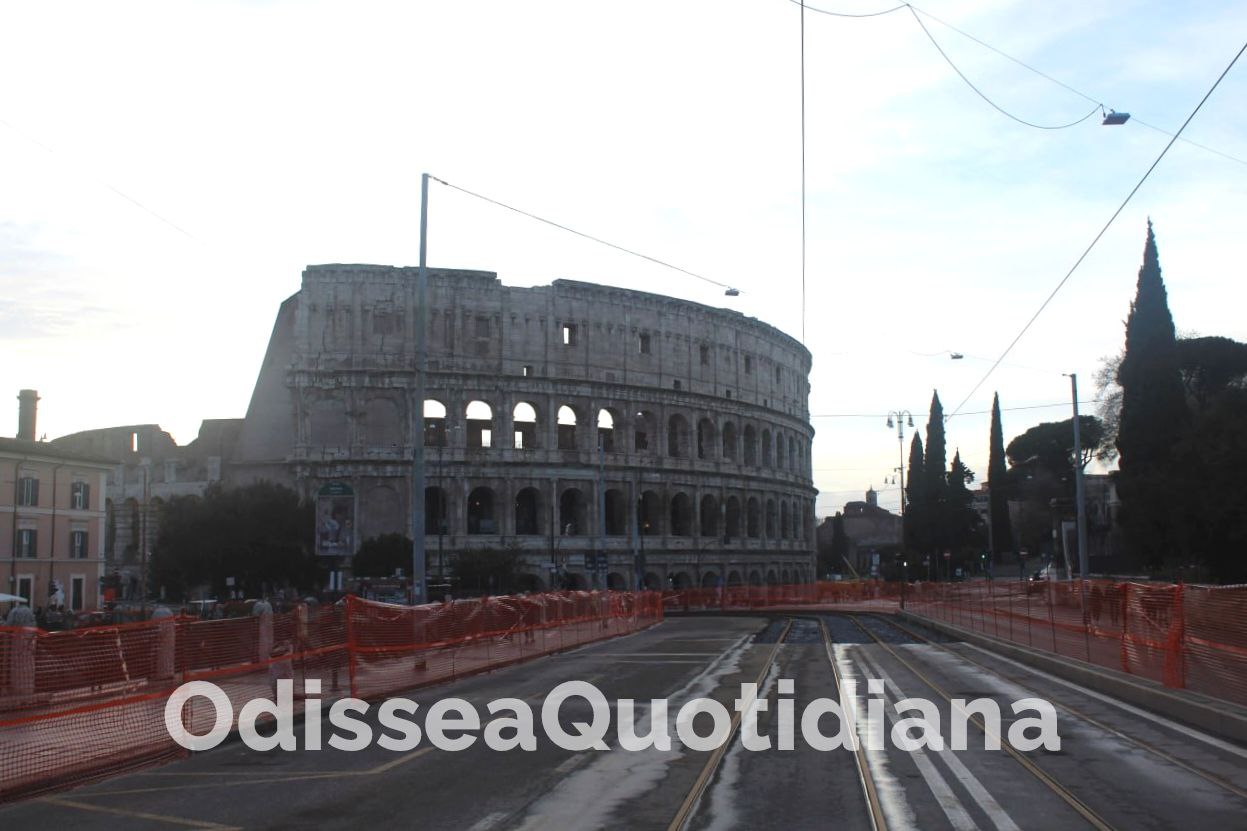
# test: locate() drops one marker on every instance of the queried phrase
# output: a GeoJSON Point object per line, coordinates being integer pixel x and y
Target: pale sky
{"type": "Point", "coordinates": [169, 168]}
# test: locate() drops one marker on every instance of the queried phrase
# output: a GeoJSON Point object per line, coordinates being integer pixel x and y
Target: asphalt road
{"type": "Point", "coordinates": [1117, 768]}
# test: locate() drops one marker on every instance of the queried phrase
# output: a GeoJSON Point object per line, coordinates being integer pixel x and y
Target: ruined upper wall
{"type": "Point", "coordinates": [362, 317]}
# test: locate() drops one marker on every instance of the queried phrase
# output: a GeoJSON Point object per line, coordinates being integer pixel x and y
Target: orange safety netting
{"type": "Point", "coordinates": [89, 702]}
{"type": "Point", "coordinates": [1182, 636]}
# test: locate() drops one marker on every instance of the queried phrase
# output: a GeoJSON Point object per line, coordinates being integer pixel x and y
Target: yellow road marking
{"type": "Point", "coordinates": [703, 779]}
{"type": "Point", "coordinates": [877, 819]}
{"type": "Point", "coordinates": [121, 812]}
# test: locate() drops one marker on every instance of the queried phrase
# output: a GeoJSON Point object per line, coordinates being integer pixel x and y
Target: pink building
{"type": "Point", "coordinates": [52, 522]}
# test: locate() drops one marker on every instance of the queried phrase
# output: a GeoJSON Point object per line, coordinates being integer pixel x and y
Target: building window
{"type": "Point", "coordinates": [77, 592]}
{"type": "Point", "coordinates": [527, 371]}
{"type": "Point", "coordinates": [778, 374]}
{"type": "Point", "coordinates": [705, 354]}
{"type": "Point", "coordinates": [26, 587]}
{"type": "Point", "coordinates": [569, 334]}
{"type": "Point", "coordinates": [482, 327]}
{"type": "Point", "coordinates": [26, 543]}
{"type": "Point", "coordinates": [643, 344]}
{"type": "Point", "coordinates": [28, 491]}
{"type": "Point", "coordinates": [675, 385]}
{"type": "Point", "coordinates": [80, 496]}
{"type": "Point", "coordinates": [748, 365]}
{"type": "Point", "coordinates": [78, 545]}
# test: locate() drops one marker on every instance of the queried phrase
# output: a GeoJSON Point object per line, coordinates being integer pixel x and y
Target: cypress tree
{"type": "Point", "coordinates": [960, 519]}
{"type": "Point", "coordinates": [1153, 416]}
{"type": "Point", "coordinates": [936, 478]}
{"type": "Point", "coordinates": [915, 492]}
{"type": "Point", "coordinates": [998, 496]}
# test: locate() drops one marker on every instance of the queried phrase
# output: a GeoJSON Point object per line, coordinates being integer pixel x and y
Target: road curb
{"type": "Point", "coordinates": [1213, 715]}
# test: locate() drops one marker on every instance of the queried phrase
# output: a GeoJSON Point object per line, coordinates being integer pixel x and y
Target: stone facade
{"type": "Point", "coordinates": [149, 468]}
{"type": "Point", "coordinates": [701, 417]}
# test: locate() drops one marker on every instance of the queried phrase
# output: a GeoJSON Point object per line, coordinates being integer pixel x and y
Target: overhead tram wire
{"type": "Point", "coordinates": [1102, 232]}
{"type": "Point", "coordinates": [1134, 118]}
{"type": "Point", "coordinates": [590, 237]}
{"type": "Point", "coordinates": [971, 412]}
{"type": "Point", "coordinates": [1097, 108]}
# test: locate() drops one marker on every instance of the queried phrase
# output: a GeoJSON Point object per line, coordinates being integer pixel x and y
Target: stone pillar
{"type": "Point", "coordinates": [264, 632]}
{"type": "Point", "coordinates": [166, 643]}
{"type": "Point", "coordinates": [23, 643]}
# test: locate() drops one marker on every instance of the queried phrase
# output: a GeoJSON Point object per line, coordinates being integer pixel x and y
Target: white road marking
{"type": "Point", "coordinates": [997, 814]}
{"type": "Point", "coordinates": [488, 821]}
{"type": "Point", "coordinates": [957, 815]}
{"type": "Point", "coordinates": [1129, 708]}
{"type": "Point", "coordinates": [892, 799]}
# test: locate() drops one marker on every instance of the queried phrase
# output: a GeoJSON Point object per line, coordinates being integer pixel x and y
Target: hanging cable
{"type": "Point", "coordinates": [590, 237]}
{"type": "Point", "coordinates": [1102, 232]}
{"type": "Point", "coordinates": [981, 94]}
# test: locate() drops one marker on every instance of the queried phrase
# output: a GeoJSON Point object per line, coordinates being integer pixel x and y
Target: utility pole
{"type": "Point", "coordinates": [419, 589]}
{"type": "Point", "coordinates": [1079, 496]}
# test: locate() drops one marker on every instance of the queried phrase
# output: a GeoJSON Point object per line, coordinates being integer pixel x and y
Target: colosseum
{"type": "Point", "coordinates": [607, 436]}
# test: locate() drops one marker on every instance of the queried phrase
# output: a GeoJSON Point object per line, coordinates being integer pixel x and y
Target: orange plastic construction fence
{"type": "Point", "coordinates": [85, 703]}
{"type": "Point", "coordinates": [1183, 636]}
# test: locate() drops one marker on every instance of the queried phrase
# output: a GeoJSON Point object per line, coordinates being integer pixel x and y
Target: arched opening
{"type": "Point", "coordinates": [677, 436]}
{"type": "Point", "coordinates": [792, 454]}
{"type": "Point", "coordinates": [771, 577]}
{"type": "Point", "coordinates": [652, 581]}
{"type": "Point", "coordinates": [729, 441]}
{"type": "Point", "coordinates": [572, 517]}
{"type": "Point", "coordinates": [528, 512]}
{"type": "Point", "coordinates": [649, 513]}
{"type": "Point", "coordinates": [434, 510]}
{"type": "Point", "coordinates": [681, 580]}
{"type": "Point", "coordinates": [766, 448]}
{"type": "Point", "coordinates": [733, 578]}
{"type": "Point", "coordinates": [576, 582]}
{"type": "Point", "coordinates": [709, 516]}
{"type": "Point", "coordinates": [755, 578]}
{"type": "Point", "coordinates": [705, 439]}
{"type": "Point", "coordinates": [681, 515]}
{"type": "Point", "coordinates": [779, 450]}
{"type": "Point", "coordinates": [481, 512]}
{"type": "Point", "coordinates": [785, 530]}
{"type": "Point", "coordinates": [752, 518]}
{"type": "Point", "coordinates": [710, 579]}
{"type": "Point", "coordinates": [524, 419]}
{"type": "Point", "coordinates": [616, 513]}
{"type": "Point", "coordinates": [434, 423]}
{"type": "Point", "coordinates": [644, 432]}
{"type": "Point", "coordinates": [480, 422]}
{"type": "Point", "coordinates": [771, 516]}
{"type": "Point", "coordinates": [785, 577]}
{"type": "Point", "coordinates": [731, 517]}
{"type": "Point", "coordinates": [750, 450]}
{"type": "Point", "coordinates": [616, 582]}
{"type": "Point", "coordinates": [567, 428]}
{"type": "Point", "coordinates": [606, 430]}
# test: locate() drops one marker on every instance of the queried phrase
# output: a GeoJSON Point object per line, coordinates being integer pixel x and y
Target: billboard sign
{"type": "Point", "coordinates": [335, 520]}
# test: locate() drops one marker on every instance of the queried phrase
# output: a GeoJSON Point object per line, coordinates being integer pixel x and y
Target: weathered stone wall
{"type": "Point", "coordinates": [708, 410]}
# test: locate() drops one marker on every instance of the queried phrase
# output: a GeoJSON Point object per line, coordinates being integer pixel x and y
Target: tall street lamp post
{"type": "Point", "coordinates": [898, 419]}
